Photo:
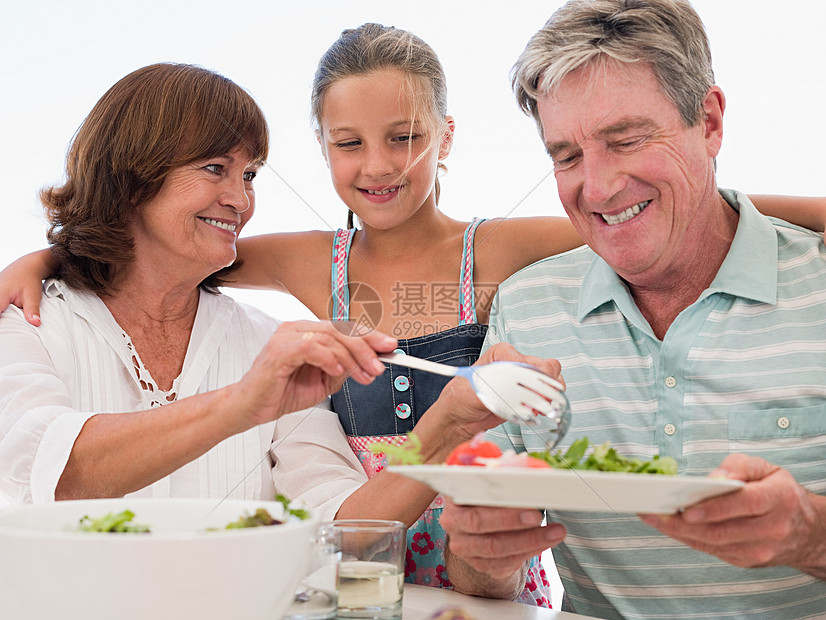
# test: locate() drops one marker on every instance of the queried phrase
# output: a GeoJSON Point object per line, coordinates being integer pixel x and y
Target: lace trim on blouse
{"type": "Point", "coordinates": [153, 395]}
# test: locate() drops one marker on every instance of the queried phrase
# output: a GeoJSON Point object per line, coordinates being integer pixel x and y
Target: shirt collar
{"type": "Point", "coordinates": [749, 269]}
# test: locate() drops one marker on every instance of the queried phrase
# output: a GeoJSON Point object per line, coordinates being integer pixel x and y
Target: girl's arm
{"type": "Point", "coordinates": [804, 211]}
{"type": "Point", "coordinates": [21, 283]}
{"type": "Point", "coordinates": [506, 245]}
{"type": "Point", "coordinates": [295, 263]}
{"type": "Point", "coordinates": [285, 262]}
{"type": "Point", "coordinates": [456, 416]}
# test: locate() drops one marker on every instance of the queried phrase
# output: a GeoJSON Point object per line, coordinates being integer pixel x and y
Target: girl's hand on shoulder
{"type": "Point", "coordinates": [21, 283]}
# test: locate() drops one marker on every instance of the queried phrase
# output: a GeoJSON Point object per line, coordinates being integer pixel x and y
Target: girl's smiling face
{"type": "Point", "coordinates": [378, 149]}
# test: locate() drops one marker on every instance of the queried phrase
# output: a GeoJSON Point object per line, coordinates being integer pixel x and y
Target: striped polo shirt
{"type": "Point", "coordinates": [743, 369]}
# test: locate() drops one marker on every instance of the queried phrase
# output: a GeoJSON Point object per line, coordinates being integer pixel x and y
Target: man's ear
{"type": "Point", "coordinates": [320, 139]}
{"type": "Point", "coordinates": [447, 138]}
{"type": "Point", "coordinates": [714, 105]}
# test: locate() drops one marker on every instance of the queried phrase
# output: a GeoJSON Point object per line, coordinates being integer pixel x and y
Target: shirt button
{"type": "Point", "coordinates": [402, 384]}
{"type": "Point", "coordinates": [670, 429]}
{"type": "Point", "coordinates": [403, 411]}
{"type": "Point", "coordinates": [783, 422]}
{"type": "Point", "coordinates": [670, 382]}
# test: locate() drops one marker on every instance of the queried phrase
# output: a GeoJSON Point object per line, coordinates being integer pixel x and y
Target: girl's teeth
{"type": "Point", "coordinates": [216, 223]}
{"type": "Point", "coordinates": [381, 192]}
{"type": "Point", "coordinates": [626, 215]}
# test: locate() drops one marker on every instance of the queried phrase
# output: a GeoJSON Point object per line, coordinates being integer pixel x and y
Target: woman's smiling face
{"type": "Point", "coordinates": [190, 227]}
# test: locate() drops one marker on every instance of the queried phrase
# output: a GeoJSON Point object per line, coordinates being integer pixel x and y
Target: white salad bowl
{"type": "Point", "coordinates": [181, 570]}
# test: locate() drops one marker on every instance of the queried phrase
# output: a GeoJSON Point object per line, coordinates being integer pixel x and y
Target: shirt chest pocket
{"type": "Point", "coordinates": [791, 437]}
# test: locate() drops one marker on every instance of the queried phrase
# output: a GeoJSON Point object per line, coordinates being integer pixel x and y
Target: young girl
{"type": "Point", "coordinates": [380, 108]}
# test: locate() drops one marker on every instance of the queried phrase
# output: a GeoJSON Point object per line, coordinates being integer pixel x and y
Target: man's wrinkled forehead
{"type": "Point", "coordinates": [593, 100]}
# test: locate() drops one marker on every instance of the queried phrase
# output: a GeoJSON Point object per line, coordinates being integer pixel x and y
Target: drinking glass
{"type": "Point", "coordinates": [371, 567]}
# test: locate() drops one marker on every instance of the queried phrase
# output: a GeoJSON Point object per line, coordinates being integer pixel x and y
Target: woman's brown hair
{"type": "Point", "coordinates": [151, 121]}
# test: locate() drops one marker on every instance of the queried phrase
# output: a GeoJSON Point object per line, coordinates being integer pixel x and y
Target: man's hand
{"type": "Point", "coordinates": [462, 413]}
{"type": "Point", "coordinates": [772, 521]}
{"type": "Point", "coordinates": [496, 543]}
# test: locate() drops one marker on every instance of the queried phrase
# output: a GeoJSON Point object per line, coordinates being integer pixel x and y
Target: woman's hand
{"type": "Point", "coordinates": [21, 283]}
{"type": "Point", "coordinates": [303, 363]}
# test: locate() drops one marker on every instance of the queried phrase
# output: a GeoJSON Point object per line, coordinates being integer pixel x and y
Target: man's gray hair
{"type": "Point", "coordinates": [666, 34]}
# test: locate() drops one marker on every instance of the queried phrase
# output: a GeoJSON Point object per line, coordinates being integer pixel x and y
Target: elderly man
{"type": "Point", "coordinates": [691, 327]}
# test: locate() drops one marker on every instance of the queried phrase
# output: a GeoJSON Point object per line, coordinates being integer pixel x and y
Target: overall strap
{"type": "Point", "coordinates": [340, 286]}
{"type": "Point", "coordinates": [467, 303]}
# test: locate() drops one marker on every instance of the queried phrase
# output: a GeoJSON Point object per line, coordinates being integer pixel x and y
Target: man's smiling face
{"type": "Point", "coordinates": [632, 178]}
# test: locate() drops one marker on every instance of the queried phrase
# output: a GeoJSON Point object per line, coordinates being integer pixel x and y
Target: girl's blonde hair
{"type": "Point", "coordinates": [373, 47]}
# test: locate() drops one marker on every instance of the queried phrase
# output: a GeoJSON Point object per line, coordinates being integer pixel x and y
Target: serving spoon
{"type": "Point", "coordinates": [514, 391]}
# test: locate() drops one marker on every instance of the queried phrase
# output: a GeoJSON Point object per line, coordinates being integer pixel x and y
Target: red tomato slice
{"type": "Point", "coordinates": [534, 462]}
{"type": "Point", "coordinates": [467, 452]}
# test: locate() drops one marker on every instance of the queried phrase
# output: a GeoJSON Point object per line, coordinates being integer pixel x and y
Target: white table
{"type": "Point", "coordinates": [421, 602]}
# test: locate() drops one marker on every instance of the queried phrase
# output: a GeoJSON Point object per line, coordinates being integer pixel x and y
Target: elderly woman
{"type": "Point", "coordinates": [144, 379]}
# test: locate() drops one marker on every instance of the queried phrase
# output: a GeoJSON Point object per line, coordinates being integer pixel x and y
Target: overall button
{"type": "Point", "coordinates": [783, 422]}
{"type": "Point", "coordinates": [402, 384]}
{"type": "Point", "coordinates": [670, 382]}
{"type": "Point", "coordinates": [403, 411]}
{"type": "Point", "coordinates": [670, 429]}
{"type": "Point", "coordinates": [399, 351]}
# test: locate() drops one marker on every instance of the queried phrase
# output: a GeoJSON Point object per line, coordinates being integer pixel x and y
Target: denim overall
{"type": "Point", "coordinates": [387, 409]}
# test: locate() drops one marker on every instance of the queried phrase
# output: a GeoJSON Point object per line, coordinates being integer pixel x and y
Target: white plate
{"type": "Point", "coordinates": [558, 489]}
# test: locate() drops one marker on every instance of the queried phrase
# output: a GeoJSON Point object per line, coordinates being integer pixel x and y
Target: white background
{"type": "Point", "coordinates": [59, 57]}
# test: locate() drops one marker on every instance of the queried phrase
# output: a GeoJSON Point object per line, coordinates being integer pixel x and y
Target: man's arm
{"type": "Point", "coordinates": [468, 580]}
{"type": "Point", "coordinates": [489, 549]}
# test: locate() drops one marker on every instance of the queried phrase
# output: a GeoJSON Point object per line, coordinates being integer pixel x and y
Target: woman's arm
{"type": "Point", "coordinates": [53, 449]}
{"type": "Point", "coordinates": [805, 211]}
{"type": "Point", "coordinates": [324, 480]}
{"type": "Point", "coordinates": [300, 365]}
{"type": "Point", "coordinates": [315, 464]}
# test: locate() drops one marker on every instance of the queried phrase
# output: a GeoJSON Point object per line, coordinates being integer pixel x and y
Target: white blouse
{"type": "Point", "coordinates": [80, 363]}
{"type": "Point", "coordinates": [313, 461]}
